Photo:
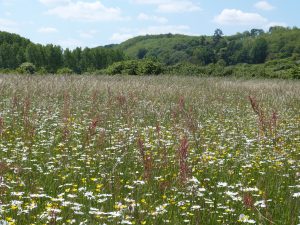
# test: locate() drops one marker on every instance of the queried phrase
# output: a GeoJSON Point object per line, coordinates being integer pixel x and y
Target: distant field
{"type": "Point", "coordinates": [149, 150]}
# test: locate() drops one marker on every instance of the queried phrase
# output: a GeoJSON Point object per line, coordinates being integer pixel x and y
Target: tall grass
{"type": "Point", "coordinates": [149, 150]}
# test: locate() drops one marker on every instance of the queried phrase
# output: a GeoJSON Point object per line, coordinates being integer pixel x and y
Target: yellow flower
{"type": "Point", "coordinates": [99, 186]}
{"type": "Point", "coordinates": [172, 202]}
{"type": "Point", "coordinates": [9, 219]}
{"type": "Point", "coordinates": [13, 207]}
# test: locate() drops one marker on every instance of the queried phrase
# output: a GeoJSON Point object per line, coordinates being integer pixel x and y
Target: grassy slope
{"type": "Point", "coordinates": [151, 42]}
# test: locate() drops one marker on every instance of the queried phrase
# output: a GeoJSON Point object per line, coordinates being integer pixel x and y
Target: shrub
{"type": "Point", "coordinates": [65, 71]}
{"type": "Point", "coordinates": [186, 69]}
{"type": "Point", "coordinates": [115, 68]}
{"type": "Point", "coordinates": [130, 67]}
{"type": "Point", "coordinates": [149, 67]}
{"type": "Point", "coordinates": [7, 71]}
{"type": "Point", "coordinates": [135, 67]}
{"type": "Point", "coordinates": [296, 73]}
{"type": "Point", "coordinates": [27, 68]}
{"type": "Point", "coordinates": [42, 71]}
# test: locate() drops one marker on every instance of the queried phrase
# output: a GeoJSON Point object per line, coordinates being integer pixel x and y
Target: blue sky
{"type": "Point", "coordinates": [91, 23]}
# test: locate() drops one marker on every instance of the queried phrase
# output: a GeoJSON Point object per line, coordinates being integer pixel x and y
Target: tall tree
{"type": "Point", "coordinates": [258, 52]}
{"type": "Point", "coordinates": [54, 57]}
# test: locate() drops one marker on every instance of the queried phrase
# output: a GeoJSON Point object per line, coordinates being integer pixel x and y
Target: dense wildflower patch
{"type": "Point", "coordinates": [87, 150]}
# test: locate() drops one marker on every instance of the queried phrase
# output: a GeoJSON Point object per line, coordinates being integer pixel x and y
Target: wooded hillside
{"type": "Point", "coordinates": [275, 53]}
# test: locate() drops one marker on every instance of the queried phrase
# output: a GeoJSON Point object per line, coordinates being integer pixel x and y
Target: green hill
{"type": "Point", "coordinates": [275, 53]}
{"type": "Point", "coordinates": [252, 47]}
{"type": "Point", "coordinates": [168, 48]}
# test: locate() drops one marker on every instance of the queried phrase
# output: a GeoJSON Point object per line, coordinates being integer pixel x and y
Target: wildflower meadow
{"type": "Point", "coordinates": [149, 150]}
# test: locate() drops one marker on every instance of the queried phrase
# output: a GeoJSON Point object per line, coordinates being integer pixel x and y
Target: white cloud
{"type": "Point", "coordinates": [86, 11]}
{"type": "Point", "coordinates": [238, 17]}
{"type": "Point", "coordinates": [8, 25]}
{"type": "Point", "coordinates": [168, 6]}
{"type": "Point", "coordinates": [264, 5]}
{"type": "Point", "coordinates": [146, 17]}
{"type": "Point", "coordinates": [47, 30]}
{"type": "Point", "coordinates": [54, 2]}
{"type": "Point", "coordinates": [162, 29]}
{"type": "Point", "coordinates": [87, 34]}
{"type": "Point", "coordinates": [178, 7]}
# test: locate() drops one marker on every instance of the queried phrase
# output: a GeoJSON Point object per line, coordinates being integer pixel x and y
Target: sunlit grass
{"type": "Point", "coordinates": [149, 150]}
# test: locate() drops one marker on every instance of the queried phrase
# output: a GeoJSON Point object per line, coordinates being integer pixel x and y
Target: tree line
{"type": "Point", "coordinates": [252, 47]}
{"type": "Point", "coordinates": [15, 50]}
{"type": "Point", "coordinates": [275, 53]}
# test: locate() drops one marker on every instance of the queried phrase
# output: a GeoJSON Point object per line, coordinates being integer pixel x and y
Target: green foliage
{"type": "Point", "coordinates": [203, 56]}
{"type": "Point", "coordinates": [141, 53]}
{"type": "Point", "coordinates": [215, 55]}
{"type": "Point", "coordinates": [8, 71]}
{"type": "Point", "coordinates": [149, 67]}
{"type": "Point", "coordinates": [136, 67]}
{"type": "Point", "coordinates": [251, 47]}
{"type": "Point", "coordinates": [283, 68]}
{"type": "Point", "coordinates": [27, 68]}
{"type": "Point", "coordinates": [115, 68]}
{"type": "Point", "coordinates": [258, 52]}
{"type": "Point", "coordinates": [186, 69]}
{"type": "Point", "coordinates": [217, 37]}
{"type": "Point", "coordinates": [42, 71]}
{"type": "Point", "coordinates": [296, 72]}
{"type": "Point", "coordinates": [15, 50]}
{"type": "Point", "coordinates": [65, 71]}
{"type": "Point", "coordinates": [87, 60]}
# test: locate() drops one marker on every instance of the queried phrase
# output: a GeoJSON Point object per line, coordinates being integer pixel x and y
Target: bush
{"type": "Point", "coordinates": [115, 68]}
{"type": "Point", "coordinates": [65, 71]}
{"type": "Point", "coordinates": [296, 73]}
{"type": "Point", "coordinates": [27, 68]}
{"type": "Point", "coordinates": [7, 71]}
{"type": "Point", "coordinates": [42, 71]}
{"type": "Point", "coordinates": [149, 67]}
{"type": "Point", "coordinates": [186, 69]}
{"type": "Point", "coordinates": [130, 67]}
{"type": "Point", "coordinates": [135, 67]}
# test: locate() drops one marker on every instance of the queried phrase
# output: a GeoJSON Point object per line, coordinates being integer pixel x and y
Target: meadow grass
{"type": "Point", "coordinates": [149, 150]}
